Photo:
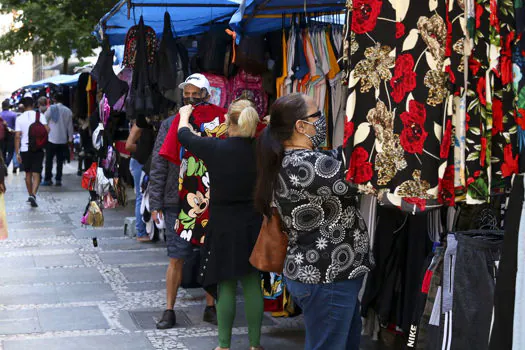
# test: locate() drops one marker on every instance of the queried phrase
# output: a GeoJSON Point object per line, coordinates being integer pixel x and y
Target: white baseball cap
{"type": "Point", "coordinates": [197, 80]}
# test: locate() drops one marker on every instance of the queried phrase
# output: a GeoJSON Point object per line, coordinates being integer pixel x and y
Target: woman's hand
{"type": "Point", "coordinates": [2, 188]}
{"type": "Point", "coordinates": [185, 112]}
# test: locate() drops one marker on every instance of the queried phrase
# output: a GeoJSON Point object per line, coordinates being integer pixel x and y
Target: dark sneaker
{"type": "Point", "coordinates": [168, 320]}
{"type": "Point", "coordinates": [58, 184]}
{"type": "Point", "coordinates": [210, 315]}
{"type": "Point", "coordinates": [15, 170]}
{"type": "Point", "coordinates": [32, 200]}
{"type": "Point", "coordinates": [46, 183]}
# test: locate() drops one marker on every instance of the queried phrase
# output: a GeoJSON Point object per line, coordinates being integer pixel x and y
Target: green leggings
{"type": "Point", "coordinates": [253, 307]}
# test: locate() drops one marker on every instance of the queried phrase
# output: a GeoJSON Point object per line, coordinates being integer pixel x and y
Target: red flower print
{"type": "Point", "coordinates": [483, 152]}
{"type": "Point", "coordinates": [479, 12]}
{"type": "Point", "coordinates": [520, 118]}
{"type": "Point", "coordinates": [420, 203]}
{"type": "Point", "coordinates": [506, 48]}
{"type": "Point", "coordinates": [497, 116]}
{"type": "Point", "coordinates": [510, 164]}
{"type": "Point", "coordinates": [474, 65]}
{"type": "Point", "coordinates": [467, 121]}
{"type": "Point", "coordinates": [482, 91]}
{"type": "Point", "coordinates": [404, 79]}
{"type": "Point", "coordinates": [414, 135]}
{"type": "Point", "coordinates": [446, 187]}
{"type": "Point", "coordinates": [451, 75]}
{"type": "Point", "coordinates": [494, 21]}
{"type": "Point", "coordinates": [506, 70]}
{"type": "Point", "coordinates": [471, 179]}
{"type": "Point", "coordinates": [448, 44]}
{"type": "Point", "coordinates": [360, 170]}
{"type": "Point", "coordinates": [349, 131]}
{"type": "Point", "coordinates": [364, 17]}
{"type": "Point", "coordinates": [400, 30]}
{"type": "Point", "coordinates": [446, 142]}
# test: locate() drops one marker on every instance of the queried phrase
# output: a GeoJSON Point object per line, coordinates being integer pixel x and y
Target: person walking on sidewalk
{"type": "Point", "coordinates": [9, 152]}
{"type": "Point", "coordinates": [328, 244]}
{"type": "Point", "coordinates": [60, 122]}
{"type": "Point", "coordinates": [31, 160]}
{"type": "Point", "coordinates": [234, 223]}
{"type": "Point", "coordinates": [164, 204]}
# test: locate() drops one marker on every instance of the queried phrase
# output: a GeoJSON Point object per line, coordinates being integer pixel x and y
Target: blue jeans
{"type": "Point", "coordinates": [136, 171]}
{"type": "Point", "coordinates": [331, 313]}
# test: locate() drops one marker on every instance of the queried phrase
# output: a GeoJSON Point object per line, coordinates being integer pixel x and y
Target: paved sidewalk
{"type": "Point", "coordinates": [58, 292]}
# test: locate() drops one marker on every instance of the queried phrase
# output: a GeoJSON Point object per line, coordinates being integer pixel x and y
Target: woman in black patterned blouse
{"type": "Point", "coordinates": [328, 250]}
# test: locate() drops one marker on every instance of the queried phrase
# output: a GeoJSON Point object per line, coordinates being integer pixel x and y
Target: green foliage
{"type": "Point", "coordinates": [52, 27]}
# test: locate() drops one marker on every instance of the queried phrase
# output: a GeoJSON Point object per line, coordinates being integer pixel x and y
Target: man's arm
{"type": "Point", "coordinates": [70, 129]}
{"type": "Point", "coordinates": [43, 120]}
{"type": "Point", "coordinates": [18, 138]}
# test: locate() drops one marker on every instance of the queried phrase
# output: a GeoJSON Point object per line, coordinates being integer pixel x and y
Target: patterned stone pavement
{"type": "Point", "coordinates": [58, 292]}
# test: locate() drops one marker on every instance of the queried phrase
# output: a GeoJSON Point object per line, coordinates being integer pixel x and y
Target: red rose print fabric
{"type": "Point", "coordinates": [417, 135]}
{"type": "Point", "coordinates": [414, 135]}
{"type": "Point", "coordinates": [365, 15]}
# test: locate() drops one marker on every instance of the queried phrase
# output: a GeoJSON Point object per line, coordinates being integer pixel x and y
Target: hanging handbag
{"type": "Point", "coordinates": [89, 178]}
{"type": "Point", "coordinates": [269, 251]}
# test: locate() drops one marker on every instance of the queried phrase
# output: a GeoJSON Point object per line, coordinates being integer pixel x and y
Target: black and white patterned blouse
{"type": "Point", "coordinates": [328, 239]}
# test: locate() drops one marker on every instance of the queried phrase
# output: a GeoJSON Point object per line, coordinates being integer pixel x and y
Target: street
{"type": "Point", "coordinates": [59, 292]}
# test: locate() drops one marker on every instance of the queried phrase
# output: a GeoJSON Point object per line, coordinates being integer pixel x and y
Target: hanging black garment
{"type": "Point", "coordinates": [505, 293]}
{"type": "Point", "coordinates": [172, 63]}
{"type": "Point", "coordinates": [103, 73]}
{"type": "Point", "coordinates": [81, 105]}
{"type": "Point", "coordinates": [144, 97]}
{"type": "Point", "coordinates": [213, 49]}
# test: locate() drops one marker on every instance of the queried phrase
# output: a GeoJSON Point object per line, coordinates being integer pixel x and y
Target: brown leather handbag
{"type": "Point", "coordinates": [269, 251]}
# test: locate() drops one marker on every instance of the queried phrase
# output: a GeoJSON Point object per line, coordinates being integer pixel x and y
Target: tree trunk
{"type": "Point", "coordinates": [65, 67]}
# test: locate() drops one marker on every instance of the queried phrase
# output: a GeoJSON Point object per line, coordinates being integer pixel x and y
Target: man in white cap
{"type": "Point", "coordinates": [174, 202]}
{"type": "Point", "coordinates": [196, 89]}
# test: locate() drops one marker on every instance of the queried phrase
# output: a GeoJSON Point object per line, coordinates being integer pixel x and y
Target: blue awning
{"type": "Point", "coordinates": [189, 17]}
{"type": "Point", "coordinates": [61, 79]}
{"type": "Point", "coordinates": [262, 16]}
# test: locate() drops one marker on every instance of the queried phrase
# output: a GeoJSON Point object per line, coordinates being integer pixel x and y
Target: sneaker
{"type": "Point", "coordinates": [46, 183]}
{"type": "Point", "coordinates": [32, 200]}
{"type": "Point", "coordinates": [168, 320]}
{"type": "Point", "coordinates": [210, 315]}
{"type": "Point", "coordinates": [58, 184]}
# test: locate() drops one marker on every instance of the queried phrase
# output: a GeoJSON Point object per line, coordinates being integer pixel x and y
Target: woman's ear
{"type": "Point", "coordinates": [299, 126]}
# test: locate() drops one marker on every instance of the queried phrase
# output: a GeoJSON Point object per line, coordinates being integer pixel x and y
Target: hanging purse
{"type": "Point", "coordinates": [90, 177]}
{"type": "Point", "coordinates": [269, 251]}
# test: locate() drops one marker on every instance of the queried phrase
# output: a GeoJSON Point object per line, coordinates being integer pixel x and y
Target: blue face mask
{"type": "Point", "coordinates": [320, 130]}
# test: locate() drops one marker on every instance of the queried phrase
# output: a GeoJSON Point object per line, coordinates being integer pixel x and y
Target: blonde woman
{"type": "Point", "coordinates": [234, 222]}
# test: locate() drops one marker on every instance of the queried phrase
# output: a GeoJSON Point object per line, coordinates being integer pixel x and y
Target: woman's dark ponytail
{"type": "Point", "coordinates": [270, 154]}
{"type": "Point", "coordinates": [270, 150]}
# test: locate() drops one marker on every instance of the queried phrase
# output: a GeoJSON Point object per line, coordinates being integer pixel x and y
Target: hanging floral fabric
{"type": "Point", "coordinates": [430, 107]}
